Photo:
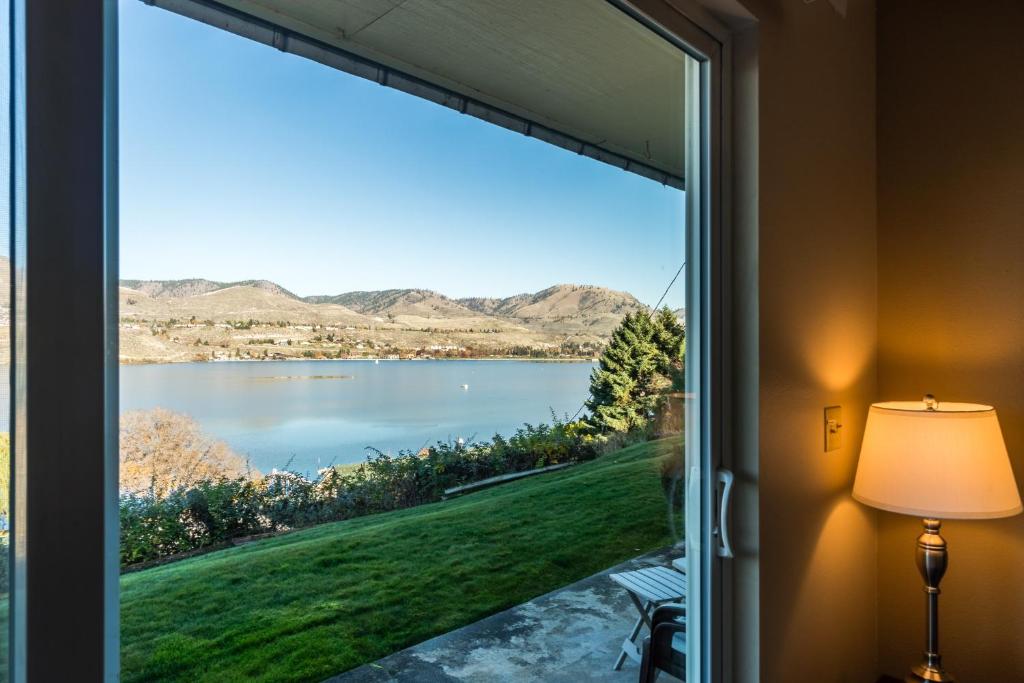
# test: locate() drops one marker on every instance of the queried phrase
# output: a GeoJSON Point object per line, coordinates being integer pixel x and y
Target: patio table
{"type": "Point", "coordinates": [647, 588]}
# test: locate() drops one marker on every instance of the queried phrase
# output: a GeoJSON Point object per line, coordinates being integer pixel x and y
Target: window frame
{"type": "Point", "coordinates": [690, 27]}
{"type": "Point", "coordinates": [64, 594]}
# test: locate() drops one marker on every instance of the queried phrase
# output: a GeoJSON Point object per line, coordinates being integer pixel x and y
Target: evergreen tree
{"type": "Point", "coordinates": [670, 338]}
{"type": "Point", "coordinates": [643, 360]}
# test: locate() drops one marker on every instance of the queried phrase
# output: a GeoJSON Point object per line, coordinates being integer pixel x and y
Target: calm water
{"type": "Point", "coordinates": [321, 412]}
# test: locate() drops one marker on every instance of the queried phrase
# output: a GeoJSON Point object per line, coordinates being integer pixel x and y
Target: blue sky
{"type": "Point", "coordinates": [238, 161]}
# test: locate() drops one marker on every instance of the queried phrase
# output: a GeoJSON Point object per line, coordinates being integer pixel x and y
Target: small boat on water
{"type": "Point", "coordinates": [376, 361]}
{"type": "Point", "coordinates": [464, 387]}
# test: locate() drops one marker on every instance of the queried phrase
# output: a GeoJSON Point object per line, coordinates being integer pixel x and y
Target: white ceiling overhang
{"type": "Point", "coordinates": [580, 74]}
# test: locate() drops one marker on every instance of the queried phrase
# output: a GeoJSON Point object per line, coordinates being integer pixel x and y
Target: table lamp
{"type": "Point", "coordinates": [935, 461]}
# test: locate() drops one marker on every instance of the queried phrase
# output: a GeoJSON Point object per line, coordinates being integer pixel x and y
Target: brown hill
{"type": "Point", "coordinates": [234, 303]}
{"type": "Point", "coordinates": [561, 309]}
{"type": "Point", "coordinates": [573, 300]}
{"type": "Point", "coordinates": [414, 302]}
{"type": "Point", "coordinates": [165, 321]}
{"type": "Point", "coordinates": [564, 308]}
{"type": "Point", "coordinates": [492, 306]}
{"type": "Point", "coordinates": [195, 286]}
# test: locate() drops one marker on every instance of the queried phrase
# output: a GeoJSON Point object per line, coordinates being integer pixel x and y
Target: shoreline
{"type": "Point", "coordinates": [514, 359]}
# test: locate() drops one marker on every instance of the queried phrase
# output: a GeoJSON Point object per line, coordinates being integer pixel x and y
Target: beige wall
{"type": "Point", "coordinates": [951, 299]}
{"type": "Point", "coordinates": [817, 338]}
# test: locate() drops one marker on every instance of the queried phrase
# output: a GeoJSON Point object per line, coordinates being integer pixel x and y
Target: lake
{"type": "Point", "coordinates": [315, 413]}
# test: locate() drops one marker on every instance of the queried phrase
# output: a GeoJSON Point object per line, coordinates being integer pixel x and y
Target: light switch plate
{"type": "Point", "coordinates": [833, 428]}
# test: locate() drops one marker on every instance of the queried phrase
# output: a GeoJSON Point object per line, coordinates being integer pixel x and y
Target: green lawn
{"type": "Point", "coordinates": [314, 603]}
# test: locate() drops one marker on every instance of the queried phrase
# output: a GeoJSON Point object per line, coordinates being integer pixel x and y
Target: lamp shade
{"type": "Point", "coordinates": [941, 460]}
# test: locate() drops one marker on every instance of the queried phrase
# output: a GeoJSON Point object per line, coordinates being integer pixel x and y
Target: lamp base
{"type": "Point", "coordinates": [931, 562]}
{"type": "Point", "coordinates": [927, 674]}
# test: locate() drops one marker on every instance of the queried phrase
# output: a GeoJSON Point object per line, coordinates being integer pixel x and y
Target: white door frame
{"type": "Point", "coordinates": [691, 27]}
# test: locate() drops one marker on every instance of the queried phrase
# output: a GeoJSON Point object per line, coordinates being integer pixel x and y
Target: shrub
{"type": "Point", "coordinates": [5, 511]}
{"type": "Point", "coordinates": [213, 511]}
{"type": "Point", "coordinates": [162, 451]}
{"type": "Point", "coordinates": [5, 561]}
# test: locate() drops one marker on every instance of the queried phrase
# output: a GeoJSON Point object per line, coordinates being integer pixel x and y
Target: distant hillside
{"type": "Point", "coordinates": [417, 302]}
{"type": "Point", "coordinates": [573, 300]}
{"type": "Point", "coordinates": [557, 302]}
{"type": "Point", "coordinates": [198, 319]}
{"type": "Point", "coordinates": [574, 305]}
{"type": "Point", "coordinates": [163, 289]}
{"type": "Point", "coordinates": [491, 306]}
{"type": "Point", "coordinates": [230, 303]}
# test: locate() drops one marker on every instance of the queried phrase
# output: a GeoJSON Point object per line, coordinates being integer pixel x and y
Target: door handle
{"type": "Point", "coordinates": [693, 522]}
{"type": "Point", "coordinates": [725, 479]}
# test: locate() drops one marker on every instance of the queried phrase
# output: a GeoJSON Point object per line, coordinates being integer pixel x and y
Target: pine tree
{"type": "Point", "coordinates": [643, 360]}
{"type": "Point", "coordinates": [670, 338]}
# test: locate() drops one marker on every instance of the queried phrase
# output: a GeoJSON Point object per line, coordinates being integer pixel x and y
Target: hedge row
{"type": "Point", "coordinates": [213, 512]}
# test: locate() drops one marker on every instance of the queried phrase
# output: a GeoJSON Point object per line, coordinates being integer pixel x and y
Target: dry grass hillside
{"type": "Point", "coordinates": [196, 286]}
{"type": "Point", "coordinates": [238, 302]}
{"type": "Point", "coordinates": [570, 308]}
{"type": "Point", "coordinates": [183, 320]}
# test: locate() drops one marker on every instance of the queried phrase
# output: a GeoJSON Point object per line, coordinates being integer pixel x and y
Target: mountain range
{"type": "Point", "coordinates": [168, 319]}
{"type": "Point", "coordinates": [565, 299]}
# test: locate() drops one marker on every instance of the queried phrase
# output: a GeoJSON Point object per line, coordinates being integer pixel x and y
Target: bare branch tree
{"type": "Point", "coordinates": [162, 450]}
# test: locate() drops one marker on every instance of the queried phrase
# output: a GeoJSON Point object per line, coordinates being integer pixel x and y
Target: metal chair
{"type": "Point", "coordinates": [665, 649]}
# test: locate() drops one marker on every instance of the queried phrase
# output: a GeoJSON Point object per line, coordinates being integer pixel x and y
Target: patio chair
{"type": "Point", "coordinates": [649, 588]}
{"type": "Point", "coordinates": [665, 649]}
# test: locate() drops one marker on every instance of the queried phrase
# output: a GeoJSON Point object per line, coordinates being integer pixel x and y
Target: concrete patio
{"type": "Point", "coordinates": [573, 634]}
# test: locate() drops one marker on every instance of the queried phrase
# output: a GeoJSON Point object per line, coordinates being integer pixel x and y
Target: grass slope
{"type": "Point", "coordinates": [314, 603]}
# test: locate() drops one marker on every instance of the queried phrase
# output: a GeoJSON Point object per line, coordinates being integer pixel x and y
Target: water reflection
{"type": "Point", "coordinates": [315, 413]}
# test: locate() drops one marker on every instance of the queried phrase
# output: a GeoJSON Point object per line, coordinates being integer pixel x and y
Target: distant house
{"type": "Point", "coordinates": [445, 347]}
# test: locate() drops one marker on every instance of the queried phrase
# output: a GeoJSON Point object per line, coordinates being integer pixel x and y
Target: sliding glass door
{"type": "Point", "coordinates": [708, 482]}
{"type": "Point", "coordinates": [11, 222]}
{"type": "Point", "coordinates": [297, 412]}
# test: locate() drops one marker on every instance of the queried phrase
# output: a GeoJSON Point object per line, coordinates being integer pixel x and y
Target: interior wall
{"type": "Point", "coordinates": [817, 336]}
{"type": "Point", "coordinates": [951, 321]}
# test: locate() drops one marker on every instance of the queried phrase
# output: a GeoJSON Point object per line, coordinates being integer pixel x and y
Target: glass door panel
{"type": "Point", "coordinates": [334, 353]}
